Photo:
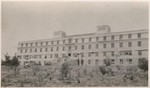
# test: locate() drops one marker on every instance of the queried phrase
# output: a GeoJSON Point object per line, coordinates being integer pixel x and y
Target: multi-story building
{"type": "Point", "coordinates": [122, 48]}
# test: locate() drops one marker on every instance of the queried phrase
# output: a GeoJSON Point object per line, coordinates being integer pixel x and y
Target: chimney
{"type": "Point", "coordinates": [59, 34]}
{"type": "Point", "coordinates": [103, 29]}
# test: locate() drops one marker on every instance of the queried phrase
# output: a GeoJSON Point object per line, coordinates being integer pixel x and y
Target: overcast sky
{"type": "Point", "coordinates": [23, 21]}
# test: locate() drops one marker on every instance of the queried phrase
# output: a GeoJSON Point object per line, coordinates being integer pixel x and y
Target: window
{"type": "Point", "coordinates": [112, 45]}
{"type": "Point", "coordinates": [139, 52]}
{"type": "Point", "coordinates": [21, 51]}
{"type": "Point", "coordinates": [30, 50]}
{"type": "Point", "coordinates": [139, 35]}
{"type": "Point", "coordinates": [52, 42]}
{"type": "Point", "coordinates": [35, 50]}
{"type": "Point", "coordinates": [36, 44]}
{"type": "Point", "coordinates": [82, 47]}
{"type": "Point", "coordinates": [96, 61]}
{"type": "Point", "coordinates": [121, 44]}
{"type": "Point", "coordinates": [120, 36]}
{"type": "Point", "coordinates": [89, 61]}
{"type": "Point", "coordinates": [129, 36]}
{"type": "Point", "coordinates": [104, 53]}
{"type": "Point", "coordinates": [129, 61]}
{"type": "Point", "coordinates": [25, 50]}
{"type": "Point", "coordinates": [112, 61]}
{"type": "Point", "coordinates": [76, 47]}
{"type": "Point", "coordinates": [96, 54]}
{"type": "Point", "coordinates": [104, 61]}
{"type": "Point", "coordinates": [89, 54]}
{"type": "Point", "coordinates": [21, 45]}
{"type": "Point", "coordinates": [39, 56]}
{"type": "Point", "coordinates": [89, 39]}
{"type": "Point", "coordinates": [139, 43]}
{"type": "Point", "coordinates": [69, 47]}
{"type": "Point", "coordinates": [97, 38]}
{"type": "Point", "coordinates": [127, 52]}
{"type": "Point", "coordinates": [112, 53]}
{"type": "Point", "coordinates": [45, 56]}
{"type": "Point", "coordinates": [56, 56]}
{"type": "Point", "coordinates": [51, 55]}
{"type": "Point", "coordinates": [112, 37]}
{"type": "Point", "coordinates": [41, 43]}
{"type": "Point", "coordinates": [35, 56]}
{"type": "Point", "coordinates": [40, 49]}
{"type": "Point", "coordinates": [97, 46]}
{"type": "Point", "coordinates": [63, 41]}
{"type": "Point", "coordinates": [104, 38]}
{"type": "Point", "coordinates": [104, 45]}
{"type": "Point", "coordinates": [57, 48]}
{"type": "Point", "coordinates": [57, 42]}
{"type": "Point", "coordinates": [129, 44]}
{"type": "Point", "coordinates": [51, 48]}
{"type": "Point", "coordinates": [76, 40]}
{"type": "Point", "coordinates": [82, 39]}
{"type": "Point", "coordinates": [63, 55]}
{"type": "Point", "coordinates": [26, 44]}
{"type": "Point", "coordinates": [31, 44]}
{"type": "Point", "coordinates": [45, 49]}
{"type": "Point", "coordinates": [89, 46]}
{"type": "Point", "coordinates": [69, 40]}
{"type": "Point", "coordinates": [63, 48]}
{"type": "Point", "coordinates": [75, 54]}
{"type": "Point", "coordinates": [69, 54]}
{"type": "Point", "coordinates": [121, 61]}
{"type": "Point", "coordinates": [82, 55]}
{"type": "Point", "coordinates": [46, 43]}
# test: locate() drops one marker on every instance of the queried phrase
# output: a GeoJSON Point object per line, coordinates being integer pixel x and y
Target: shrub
{"type": "Point", "coordinates": [48, 63]}
{"type": "Point", "coordinates": [66, 73]}
{"type": "Point", "coordinates": [143, 64]}
{"type": "Point", "coordinates": [85, 71]}
{"type": "Point", "coordinates": [107, 62]}
{"type": "Point", "coordinates": [102, 70]}
{"type": "Point", "coordinates": [14, 61]}
{"type": "Point", "coordinates": [118, 67]}
{"type": "Point", "coordinates": [7, 60]}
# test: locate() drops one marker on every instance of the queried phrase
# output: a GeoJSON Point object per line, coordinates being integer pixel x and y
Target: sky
{"type": "Point", "coordinates": [23, 21]}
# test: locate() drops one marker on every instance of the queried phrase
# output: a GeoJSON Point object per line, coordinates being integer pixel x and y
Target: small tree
{"type": "Point", "coordinates": [143, 64]}
{"type": "Point", "coordinates": [3, 62]}
{"type": "Point", "coordinates": [7, 61]}
{"type": "Point", "coordinates": [65, 72]}
{"type": "Point", "coordinates": [102, 70]}
{"type": "Point", "coordinates": [107, 62]}
{"type": "Point", "coordinates": [14, 61]}
{"type": "Point", "coordinates": [15, 64]}
{"type": "Point", "coordinates": [108, 69]}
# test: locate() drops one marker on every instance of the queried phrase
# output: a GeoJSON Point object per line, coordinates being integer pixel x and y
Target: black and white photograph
{"type": "Point", "coordinates": [74, 44]}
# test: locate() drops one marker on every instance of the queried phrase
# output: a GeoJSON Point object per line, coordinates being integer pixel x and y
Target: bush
{"type": "Point", "coordinates": [7, 62]}
{"type": "Point", "coordinates": [66, 73]}
{"type": "Point", "coordinates": [107, 62]}
{"type": "Point", "coordinates": [143, 64]}
{"type": "Point", "coordinates": [118, 67]}
{"type": "Point", "coordinates": [102, 70]}
{"type": "Point", "coordinates": [85, 71]}
{"type": "Point", "coordinates": [14, 61]}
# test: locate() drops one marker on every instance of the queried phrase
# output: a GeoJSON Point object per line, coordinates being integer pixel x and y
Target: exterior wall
{"type": "Point", "coordinates": [46, 55]}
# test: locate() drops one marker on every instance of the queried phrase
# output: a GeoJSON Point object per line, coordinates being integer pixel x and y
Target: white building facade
{"type": "Point", "coordinates": [122, 48]}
